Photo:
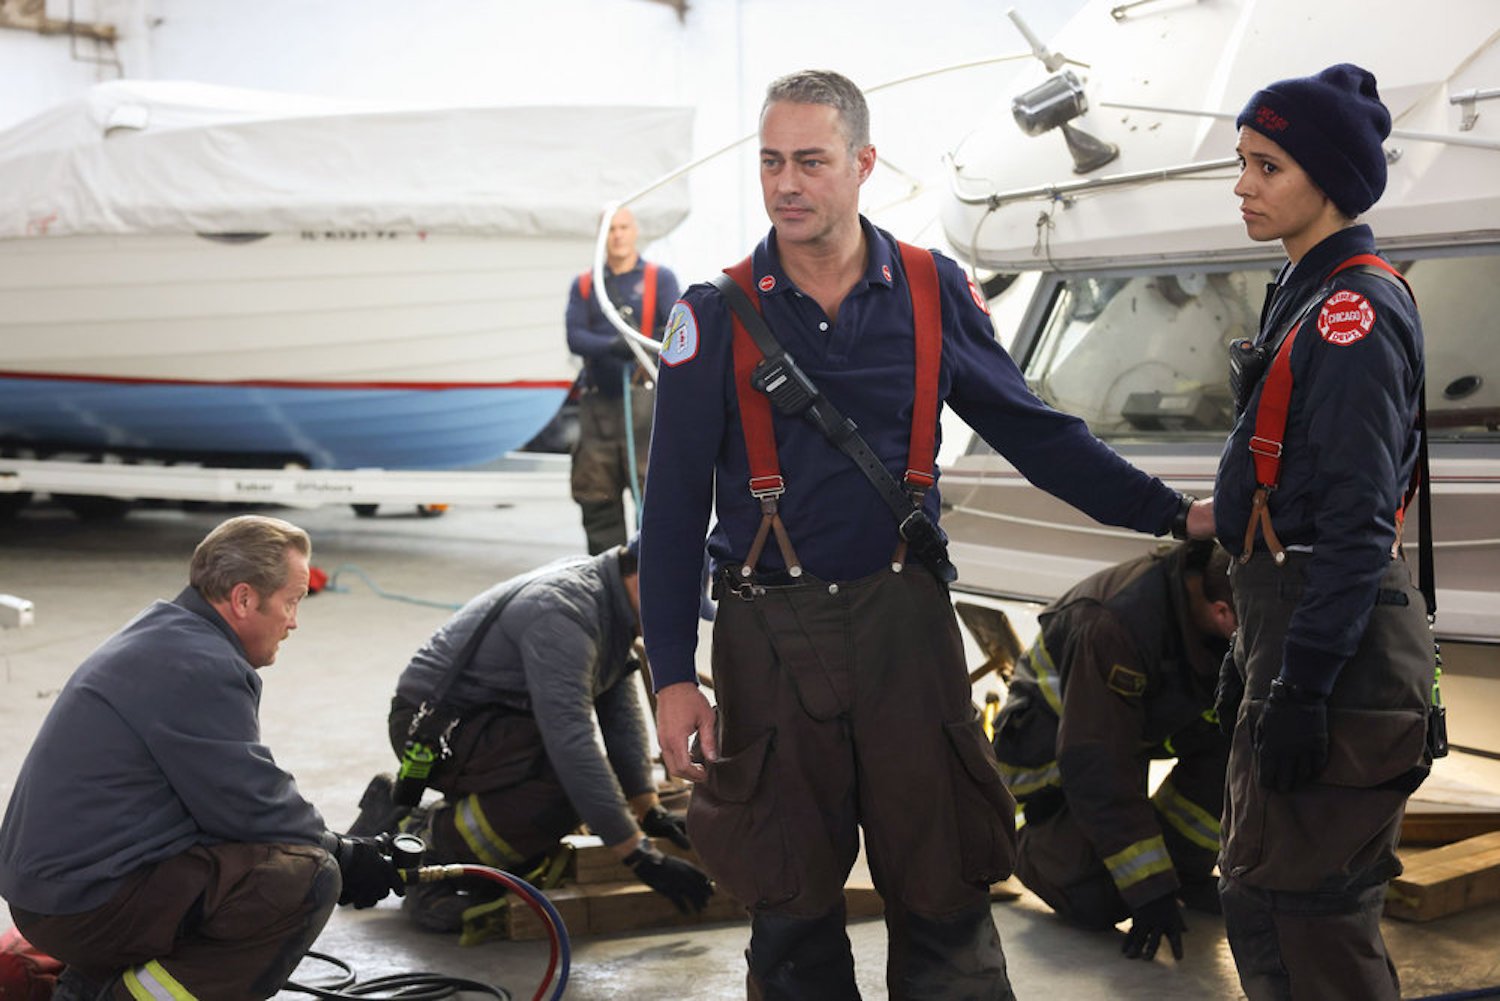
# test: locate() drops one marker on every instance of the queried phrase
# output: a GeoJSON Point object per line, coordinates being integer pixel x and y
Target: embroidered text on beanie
{"type": "Point", "coordinates": [1332, 124]}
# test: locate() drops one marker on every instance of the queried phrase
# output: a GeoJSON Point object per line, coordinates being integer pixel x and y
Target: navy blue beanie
{"type": "Point", "coordinates": [1332, 124]}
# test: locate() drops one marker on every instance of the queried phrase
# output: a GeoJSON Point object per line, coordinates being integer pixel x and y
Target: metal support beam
{"type": "Point", "coordinates": [31, 15]}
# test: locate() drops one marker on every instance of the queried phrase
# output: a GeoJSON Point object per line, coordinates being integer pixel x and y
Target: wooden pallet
{"type": "Point", "coordinates": [1447, 880]}
{"type": "Point", "coordinates": [597, 901]}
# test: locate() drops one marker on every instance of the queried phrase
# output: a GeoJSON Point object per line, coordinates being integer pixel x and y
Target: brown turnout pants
{"type": "Point", "coordinates": [219, 922]}
{"type": "Point", "coordinates": [503, 805]}
{"type": "Point", "coordinates": [1304, 873]}
{"type": "Point", "coordinates": [601, 463]}
{"type": "Point", "coordinates": [841, 707]}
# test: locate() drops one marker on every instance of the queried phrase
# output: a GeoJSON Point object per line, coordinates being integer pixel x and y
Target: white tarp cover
{"type": "Point", "coordinates": [173, 157]}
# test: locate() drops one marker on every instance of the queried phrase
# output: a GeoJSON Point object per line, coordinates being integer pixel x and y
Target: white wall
{"type": "Point", "coordinates": [579, 51]}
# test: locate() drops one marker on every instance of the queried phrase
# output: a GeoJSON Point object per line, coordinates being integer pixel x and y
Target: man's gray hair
{"type": "Point", "coordinates": [250, 549]}
{"type": "Point", "coordinates": [830, 88]}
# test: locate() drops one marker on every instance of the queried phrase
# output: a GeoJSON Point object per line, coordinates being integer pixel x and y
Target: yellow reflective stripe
{"type": "Point", "coordinates": [152, 982]}
{"type": "Point", "coordinates": [1139, 861]}
{"type": "Point", "coordinates": [474, 827]}
{"type": "Point", "coordinates": [1191, 820]}
{"type": "Point", "coordinates": [1025, 781]}
{"type": "Point", "coordinates": [1046, 674]}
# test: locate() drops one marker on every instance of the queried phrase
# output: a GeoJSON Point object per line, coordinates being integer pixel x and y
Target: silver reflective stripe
{"type": "Point", "coordinates": [1046, 674]}
{"type": "Point", "coordinates": [474, 827]}
{"type": "Point", "coordinates": [153, 983]}
{"type": "Point", "coordinates": [1139, 861]}
{"type": "Point", "coordinates": [1191, 820]}
{"type": "Point", "coordinates": [1025, 781]}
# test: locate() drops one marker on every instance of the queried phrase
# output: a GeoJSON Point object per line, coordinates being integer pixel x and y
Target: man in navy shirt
{"type": "Point", "coordinates": [843, 696]}
{"type": "Point", "coordinates": [613, 383]}
{"type": "Point", "coordinates": [1334, 655]}
{"type": "Point", "coordinates": [152, 843]}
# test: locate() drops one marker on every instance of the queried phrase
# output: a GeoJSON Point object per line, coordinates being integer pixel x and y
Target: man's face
{"type": "Point", "coordinates": [270, 619]}
{"type": "Point", "coordinates": [1278, 201]}
{"type": "Point", "coordinates": [808, 178]}
{"type": "Point", "coordinates": [622, 235]}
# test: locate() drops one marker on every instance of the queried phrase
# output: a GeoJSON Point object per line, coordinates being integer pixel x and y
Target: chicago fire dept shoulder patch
{"type": "Point", "coordinates": [978, 298]}
{"type": "Point", "coordinates": [1345, 318]}
{"type": "Point", "coordinates": [679, 341]}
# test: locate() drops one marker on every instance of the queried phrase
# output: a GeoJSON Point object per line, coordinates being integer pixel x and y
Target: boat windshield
{"type": "Point", "coordinates": [1143, 356]}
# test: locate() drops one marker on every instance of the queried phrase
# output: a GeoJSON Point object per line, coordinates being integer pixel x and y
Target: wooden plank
{"type": "Point", "coordinates": [593, 862]}
{"type": "Point", "coordinates": [604, 907]}
{"type": "Point", "coordinates": [1444, 826]}
{"type": "Point", "coordinates": [1447, 880]}
{"type": "Point", "coordinates": [522, 923]}
{"type": "Point", "coordinates": [861, 900]}
{"type": "Point", "coordinates": [617, 907]}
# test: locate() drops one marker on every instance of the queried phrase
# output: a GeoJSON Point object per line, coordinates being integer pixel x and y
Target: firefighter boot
{"type": "Point", "coordinates": [378, 812]}
{"type": "Point", "coordinates": [72, 985]}
{"type": "Point", "coordinates": [958, 956]}
{"type": "Point", "coordinates": [800, 959]}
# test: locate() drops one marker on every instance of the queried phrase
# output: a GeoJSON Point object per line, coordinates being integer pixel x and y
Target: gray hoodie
{"type": "Point", "coordinates": [559, 649]}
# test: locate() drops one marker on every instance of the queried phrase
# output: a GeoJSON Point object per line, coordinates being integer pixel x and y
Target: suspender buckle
{"type": "Point", "coordinates": [763, 487]}
{"type": "Point", "coordinates": [1265, 446]}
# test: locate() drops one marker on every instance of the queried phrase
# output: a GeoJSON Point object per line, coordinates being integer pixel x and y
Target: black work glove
{"type": "Point", "coordinates": [1228, 693]}
{"type": "Point", "coordinates": [683, 883]}
{"type": "Point", "coordinates": [368, 875]}
{"type": "Point", "coordinates": [659, 822]}
{"type": "Point", "coordinates": [1149, 922]}
{"type": "Point", "coordinates": [1291, 740]}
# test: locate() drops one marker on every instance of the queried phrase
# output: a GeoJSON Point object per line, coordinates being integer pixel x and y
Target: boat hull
{"type": "Point", "coordinates": [346, 427]}
{"type": "Point", "coordinates": [404, 350]}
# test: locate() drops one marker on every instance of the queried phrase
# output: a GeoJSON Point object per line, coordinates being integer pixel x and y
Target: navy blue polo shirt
{"type": "Point", "coordinates": [594, 339]}
{"type": "Point", "coordinates": [1348, 453]}
{"type": "Point", "coordinates": [863, 363]}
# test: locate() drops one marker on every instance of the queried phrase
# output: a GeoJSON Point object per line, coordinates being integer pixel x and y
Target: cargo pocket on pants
{"type": "Point", "coordinates": [985, 812]}
{"type": "Point", "coordinates": [1377, 749]}
{"type": "Point", "coordinates": [737, 829]}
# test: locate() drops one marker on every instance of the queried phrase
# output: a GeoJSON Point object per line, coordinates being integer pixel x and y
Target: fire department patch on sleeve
{"type": "Point", "coordinates": [1345, 318]}
{"type": "Point", "coordinates": [978, 297]}
{"type": "Point", "coordinates": [1122, 679]}
{"type": "Point", "coordinates": [680, 338]}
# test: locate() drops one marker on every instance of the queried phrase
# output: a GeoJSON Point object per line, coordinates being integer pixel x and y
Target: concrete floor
{"type": "Point", "coordinates": [323, 715]}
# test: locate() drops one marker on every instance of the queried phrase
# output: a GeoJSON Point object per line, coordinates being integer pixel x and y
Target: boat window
{"type": "Point", "coordinates": [1459, 299]}
{"type": "Point", "coordinates": [1143, 357]}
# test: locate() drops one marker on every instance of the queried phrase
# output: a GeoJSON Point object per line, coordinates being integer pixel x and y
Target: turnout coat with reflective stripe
{"type": "Point", "coordinates": [1117, 676]}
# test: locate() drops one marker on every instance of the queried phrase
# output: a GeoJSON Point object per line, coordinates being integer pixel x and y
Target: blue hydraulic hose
{"type": "Point", "coordinates": [539, 899]}
{"type": "Point", "coordinates": [630, 460]}
{"type": "Point", "coordinates": [333, 585]}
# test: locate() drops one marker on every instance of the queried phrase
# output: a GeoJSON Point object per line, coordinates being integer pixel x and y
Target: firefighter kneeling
{"type": "Point", "coordinates": [1123, 672]}
{"type": "Point", "coordinates": [522, 711]}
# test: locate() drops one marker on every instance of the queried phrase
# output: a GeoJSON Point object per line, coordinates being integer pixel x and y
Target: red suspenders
{"type": "Point", "coordinates": [1270, 428]}
{"type": "Point", "coordinates": [766, 482]}
{"type": "Point", "coordinates": [648, 295]}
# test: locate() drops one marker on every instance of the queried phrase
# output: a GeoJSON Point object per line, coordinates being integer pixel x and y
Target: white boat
{"type": "Point", "coordinates": [258, 279]}
{"type": "Point", "coordinates": [1135, 273]}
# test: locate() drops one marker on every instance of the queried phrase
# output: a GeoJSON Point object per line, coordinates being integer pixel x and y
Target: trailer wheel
{"type": "Point", "coordinates": [86, 508]}
{"type": "Point", "coordinates": [11, 504]}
